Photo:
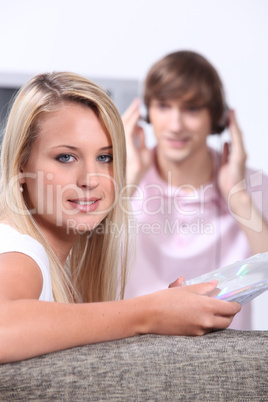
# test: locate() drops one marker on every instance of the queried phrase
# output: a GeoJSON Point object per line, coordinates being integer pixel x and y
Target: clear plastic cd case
{"type": "Point", "coordinates": [241, 281]}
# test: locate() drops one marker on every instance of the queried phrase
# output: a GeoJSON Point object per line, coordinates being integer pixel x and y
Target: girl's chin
{"type": "Point", "coordinates": [77, 227]}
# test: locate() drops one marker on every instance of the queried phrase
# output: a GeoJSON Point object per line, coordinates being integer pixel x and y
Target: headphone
{"type": "Point", "coordinates": [223, 122]}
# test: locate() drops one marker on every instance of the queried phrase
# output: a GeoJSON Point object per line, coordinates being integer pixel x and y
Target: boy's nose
{"type": "Point", "coordinates": [175, 121]}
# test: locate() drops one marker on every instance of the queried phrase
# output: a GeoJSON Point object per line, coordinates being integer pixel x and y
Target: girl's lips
{"type": "Point", "coordinates": [85, 205]}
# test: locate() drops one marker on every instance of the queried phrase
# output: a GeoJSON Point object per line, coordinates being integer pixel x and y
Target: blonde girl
{"type": "Point", "coordinates": [64, 230]}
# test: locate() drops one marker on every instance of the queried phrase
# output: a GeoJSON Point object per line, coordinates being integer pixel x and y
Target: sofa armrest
{"type": "Point", "coordinates": [221, 366]}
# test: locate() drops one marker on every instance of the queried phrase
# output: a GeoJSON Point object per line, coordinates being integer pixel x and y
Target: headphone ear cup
{"type": "Point", "coordinates": [223, 122]}
{"type": "Point", "coordinates": [147, 119]}
{"type": "Point", "coordinates": [144, 112]}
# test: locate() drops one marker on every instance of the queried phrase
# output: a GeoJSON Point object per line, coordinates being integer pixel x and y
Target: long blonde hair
{"type": "Point", "coordinates": [96, 269]}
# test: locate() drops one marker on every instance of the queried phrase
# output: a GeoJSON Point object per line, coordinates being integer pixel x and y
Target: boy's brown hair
{"type": "Point", "coordinates": [188, 76]}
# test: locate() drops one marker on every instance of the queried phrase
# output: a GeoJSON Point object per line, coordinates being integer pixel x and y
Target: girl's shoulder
{"type": "Point", "coordinates": [13, 240]}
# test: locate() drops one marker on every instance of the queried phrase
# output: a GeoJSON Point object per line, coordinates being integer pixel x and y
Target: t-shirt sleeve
{"type": "Point", "coordinates": [13, 241]}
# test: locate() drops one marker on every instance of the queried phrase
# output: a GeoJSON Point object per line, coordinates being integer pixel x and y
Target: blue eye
{"type": "Point", "coordinates": [65, 158]}
{"type": "Point", "coordinates": [105, 158]}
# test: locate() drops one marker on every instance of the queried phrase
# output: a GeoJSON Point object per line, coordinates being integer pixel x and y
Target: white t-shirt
{"type": "Point", "coordinates": [13, 241]}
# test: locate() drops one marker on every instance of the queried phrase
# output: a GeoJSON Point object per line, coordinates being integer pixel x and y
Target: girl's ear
{"type": "Point", "coordinates": [21, 177]}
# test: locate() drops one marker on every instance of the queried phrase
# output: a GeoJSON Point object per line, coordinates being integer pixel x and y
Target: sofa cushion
{"type": "Point", "coordinates": [225, 365]}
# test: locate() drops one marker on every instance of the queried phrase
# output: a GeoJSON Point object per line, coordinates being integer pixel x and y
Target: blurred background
{"type": "Point", "coordinates": [115, 43]}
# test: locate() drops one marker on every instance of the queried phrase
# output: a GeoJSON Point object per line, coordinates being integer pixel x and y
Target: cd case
{"type": "Point", "coordinates": [241, 281]}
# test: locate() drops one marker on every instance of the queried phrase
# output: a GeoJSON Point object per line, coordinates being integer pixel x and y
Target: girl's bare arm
{"type": "Point", "coordinates": [29, 327]}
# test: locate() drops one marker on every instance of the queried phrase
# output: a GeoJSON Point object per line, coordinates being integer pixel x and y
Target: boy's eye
{"type": "Point", "coordinates": [162, 105]}
{"type": "Point", "coordinates": [192, 108]}
{"type": "Point", "coordinates": [105, 158]}
{"type": "Point", "coordinates": [65, 158]}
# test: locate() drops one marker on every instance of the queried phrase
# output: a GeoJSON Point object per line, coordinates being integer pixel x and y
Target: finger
{"type": "Point", "coordinates": [227, 309]}
{"type": "Point", "coordinates": [181, 280]}
{"type": "Point", "coordinates": [138, 138]}
{"type": "Point", "coordinates": [224, 320]}
{"type": "Point", "coordinates": [220, 322]}
{"type": "Point", "coordinates": [177, 282]}
{"type": "Point", "coordinates": [203, 288]}
{"type": "Point", "coordinates": [235, 131]}
{"type": "Point", "coordinates": [225, 153]}
{"type": "Point", "coordinates": [133, 109]}
{"type": "Point", "coordinates": [130, 122]}
{"type": "Point", "coordinates": [141, 137]}
{"type": "Point", "coordinates": [214, 292]}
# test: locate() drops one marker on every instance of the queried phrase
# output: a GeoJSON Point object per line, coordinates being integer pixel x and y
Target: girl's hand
{"type": "Point", "coordinates": [188, 310]}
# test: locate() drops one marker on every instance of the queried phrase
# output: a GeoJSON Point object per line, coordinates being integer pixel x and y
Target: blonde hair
{"type": "Point", "coordinates": [97, 263]}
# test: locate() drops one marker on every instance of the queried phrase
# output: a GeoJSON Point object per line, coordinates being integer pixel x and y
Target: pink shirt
{"type": "Point", "coordinates": [189, 234]}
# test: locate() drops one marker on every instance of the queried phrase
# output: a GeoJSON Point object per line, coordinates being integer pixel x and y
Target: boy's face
{"type": "Point", "coordinates": [180, 130]}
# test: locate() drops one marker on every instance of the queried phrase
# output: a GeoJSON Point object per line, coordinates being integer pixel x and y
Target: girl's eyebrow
{"type": "Point", "coordinates": [109, 147]}
{"type": "Point", "coordinates": [74, 148]}
{"type": "Point", "coordinates": [65, 146]}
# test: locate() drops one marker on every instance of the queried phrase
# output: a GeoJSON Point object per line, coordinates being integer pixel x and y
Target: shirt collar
{"type": "Point", "coordinates": [210, 189]}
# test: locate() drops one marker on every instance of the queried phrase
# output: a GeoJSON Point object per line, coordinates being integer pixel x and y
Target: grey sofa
{"type": "Point", "coordinates": [226, 365]}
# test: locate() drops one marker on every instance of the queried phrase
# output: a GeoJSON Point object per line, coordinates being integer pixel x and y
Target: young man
{"type": "Point", "coordinates": [194, 210]}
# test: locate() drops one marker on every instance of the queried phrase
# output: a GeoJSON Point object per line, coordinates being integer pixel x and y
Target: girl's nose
{"type": "Point", "coordinates": [88, 180]}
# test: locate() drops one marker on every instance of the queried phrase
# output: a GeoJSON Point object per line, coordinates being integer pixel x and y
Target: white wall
{"type": "Point", "coordinates": [122, 38]}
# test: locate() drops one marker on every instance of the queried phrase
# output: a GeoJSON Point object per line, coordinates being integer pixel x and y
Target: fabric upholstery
{"type": "Point", "coordinates": [226, 365]}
